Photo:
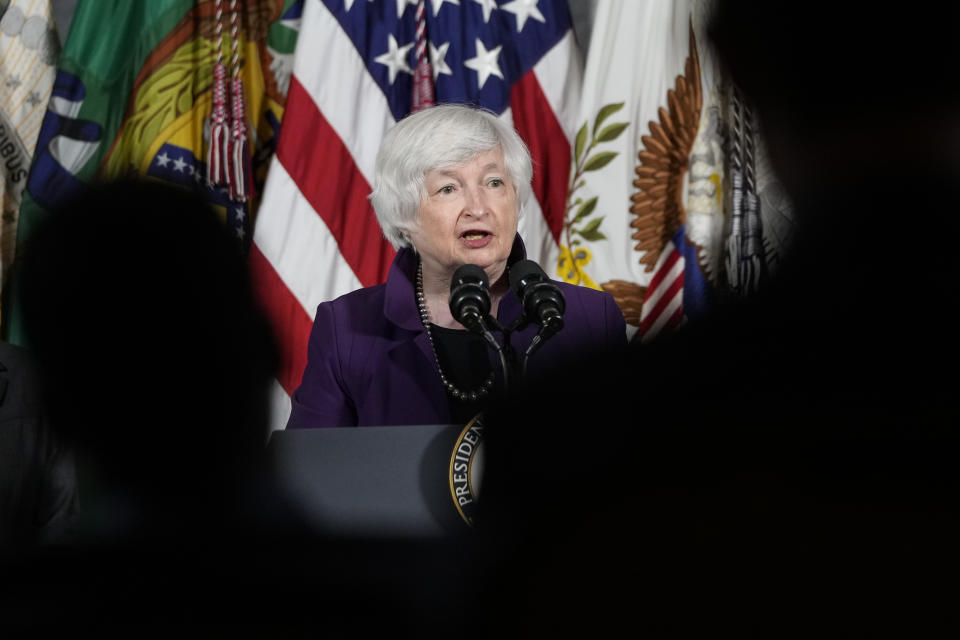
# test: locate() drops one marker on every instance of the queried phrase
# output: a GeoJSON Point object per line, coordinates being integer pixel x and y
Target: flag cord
{"type": "Point", "coordinates": [423, 90]}
{"type": "Point", "coordinates": [217, 151]}
{"type": "Point", "coordinates": [228, 156]}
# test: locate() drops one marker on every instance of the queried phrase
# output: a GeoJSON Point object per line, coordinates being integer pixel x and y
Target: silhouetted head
{"type": "Point", "coordinates": [155, 360]}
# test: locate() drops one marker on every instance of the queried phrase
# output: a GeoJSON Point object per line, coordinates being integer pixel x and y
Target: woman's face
{"type": "Point", "coordinates": [469, 216]}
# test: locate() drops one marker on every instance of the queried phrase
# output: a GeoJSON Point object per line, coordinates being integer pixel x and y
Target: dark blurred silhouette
{"type": "Point", "coordinates": [154, 365]}
{"type": "Point", "coordinates": [154, 361]}
{"type": "Point", "coordinates": [38, 485]}
{"type": "Point", "coordinates": [785, 466]}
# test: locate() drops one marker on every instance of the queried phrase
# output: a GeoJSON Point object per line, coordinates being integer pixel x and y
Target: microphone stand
{"type": "Point", "coordinates": [541, 301]}
{"type": "Point", "coordinates": [505, 351]}
{"type": "Point", "coordinates": [534, 345]}
{"type": "Point", "coordinates": [517, 325]}
{"type": "Point", "coordinates": [508, 358]}
{"type": "Point", "coordinates": [542, 335]}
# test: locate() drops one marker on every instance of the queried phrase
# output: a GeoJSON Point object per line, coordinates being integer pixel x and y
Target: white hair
{"type": "Point", "coordinates": [439, 137]}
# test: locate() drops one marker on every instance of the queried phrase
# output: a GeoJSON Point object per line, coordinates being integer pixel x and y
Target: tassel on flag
{"type": "Point", "coordinates": [423, 73]}
{"type": "Point", "coordinates": [241, 178]}
{"type": "Point", "coordinates": [228, 158]}
{"type": "Point", "coordinates": [240, 181]}
{"type": "Point", "coordinates": [219, 134]}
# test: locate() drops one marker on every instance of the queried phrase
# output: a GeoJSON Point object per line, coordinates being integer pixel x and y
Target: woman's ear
{"type": "Point", "coordinates": [405, 235]}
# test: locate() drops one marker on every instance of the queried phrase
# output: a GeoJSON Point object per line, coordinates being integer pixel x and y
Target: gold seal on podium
{"type": "Point", "coordinates": [466, 468]}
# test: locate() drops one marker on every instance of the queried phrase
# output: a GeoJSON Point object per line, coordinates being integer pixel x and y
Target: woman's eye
{"type": "Point", "coordinates": [495, 182]}
{"type": "Point", "coordinates": [447, 188]}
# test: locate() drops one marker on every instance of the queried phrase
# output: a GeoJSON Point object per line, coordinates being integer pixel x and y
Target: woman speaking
{"type": "Point", "coordinates": [448, 190]}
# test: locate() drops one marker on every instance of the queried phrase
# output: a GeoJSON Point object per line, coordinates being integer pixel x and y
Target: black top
{"type": "Point", "coordinates": [466, 363]}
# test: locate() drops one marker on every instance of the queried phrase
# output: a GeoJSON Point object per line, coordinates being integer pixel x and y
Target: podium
{"type": "Point", "coordinates": [395, 481]}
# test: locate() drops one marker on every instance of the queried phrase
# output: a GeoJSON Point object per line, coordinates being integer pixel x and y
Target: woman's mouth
{"type": "Point", "coordinates": [476, 239]}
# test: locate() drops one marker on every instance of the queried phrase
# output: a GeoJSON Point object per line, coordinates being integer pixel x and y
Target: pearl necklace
{"type": "Point", "coordinates": [466, 396]}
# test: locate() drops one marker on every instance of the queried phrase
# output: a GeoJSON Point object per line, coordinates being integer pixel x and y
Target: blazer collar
{"type": "Point", "coordinates": [400, 306]}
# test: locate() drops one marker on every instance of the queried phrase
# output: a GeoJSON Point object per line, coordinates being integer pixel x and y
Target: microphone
{"type": "Point", "coordinates": [470, 306]}
{"type": "Point", "coordinates": [542, 300]}
{"type": "Point", "coordinates": [470, 297]}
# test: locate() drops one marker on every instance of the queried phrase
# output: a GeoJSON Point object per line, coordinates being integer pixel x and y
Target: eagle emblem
{"type": "Point", "coordinates": [664, 161]}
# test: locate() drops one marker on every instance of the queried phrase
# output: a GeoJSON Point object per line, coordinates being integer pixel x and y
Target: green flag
{"type": "Point", "coordinates": [134, 95]}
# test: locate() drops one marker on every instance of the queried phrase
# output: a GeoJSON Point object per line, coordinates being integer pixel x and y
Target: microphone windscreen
{"type": "Point", "coordinates": [523, 272]}
{"type": "Point", "coordinates": [470, 273]}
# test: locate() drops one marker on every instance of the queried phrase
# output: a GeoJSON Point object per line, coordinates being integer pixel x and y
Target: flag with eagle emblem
{"type": "Point", "coordinates": [645, 212]}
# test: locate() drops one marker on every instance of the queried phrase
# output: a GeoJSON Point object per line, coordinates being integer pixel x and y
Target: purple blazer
{"type": "Point", "coordinates": [369, 361]}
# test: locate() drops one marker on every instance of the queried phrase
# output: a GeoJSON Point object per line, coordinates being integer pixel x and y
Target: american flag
{"type": "Point", "coordinates": [316, 236]}
{"type": "Point", "coordinates": [677, 291]}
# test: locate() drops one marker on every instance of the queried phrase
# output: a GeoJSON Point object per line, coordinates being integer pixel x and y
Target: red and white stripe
{"type": "Point", "coordinates": [663, 305]}
{"type": "Point", "coordinates": [316, 235]}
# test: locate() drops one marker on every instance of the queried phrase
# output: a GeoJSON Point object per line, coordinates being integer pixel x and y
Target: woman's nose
{"type": "Point", "coordinates": [475, 202]}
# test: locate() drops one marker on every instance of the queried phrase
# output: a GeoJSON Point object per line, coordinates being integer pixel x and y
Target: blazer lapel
{"type": "Point", "coordinates": [413, 345]}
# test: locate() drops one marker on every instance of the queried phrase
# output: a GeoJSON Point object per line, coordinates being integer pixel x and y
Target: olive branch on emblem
{"type": "Point", "coordinates": [658, 206]}
{"type": "Point", "coordinates": [578, 226]}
